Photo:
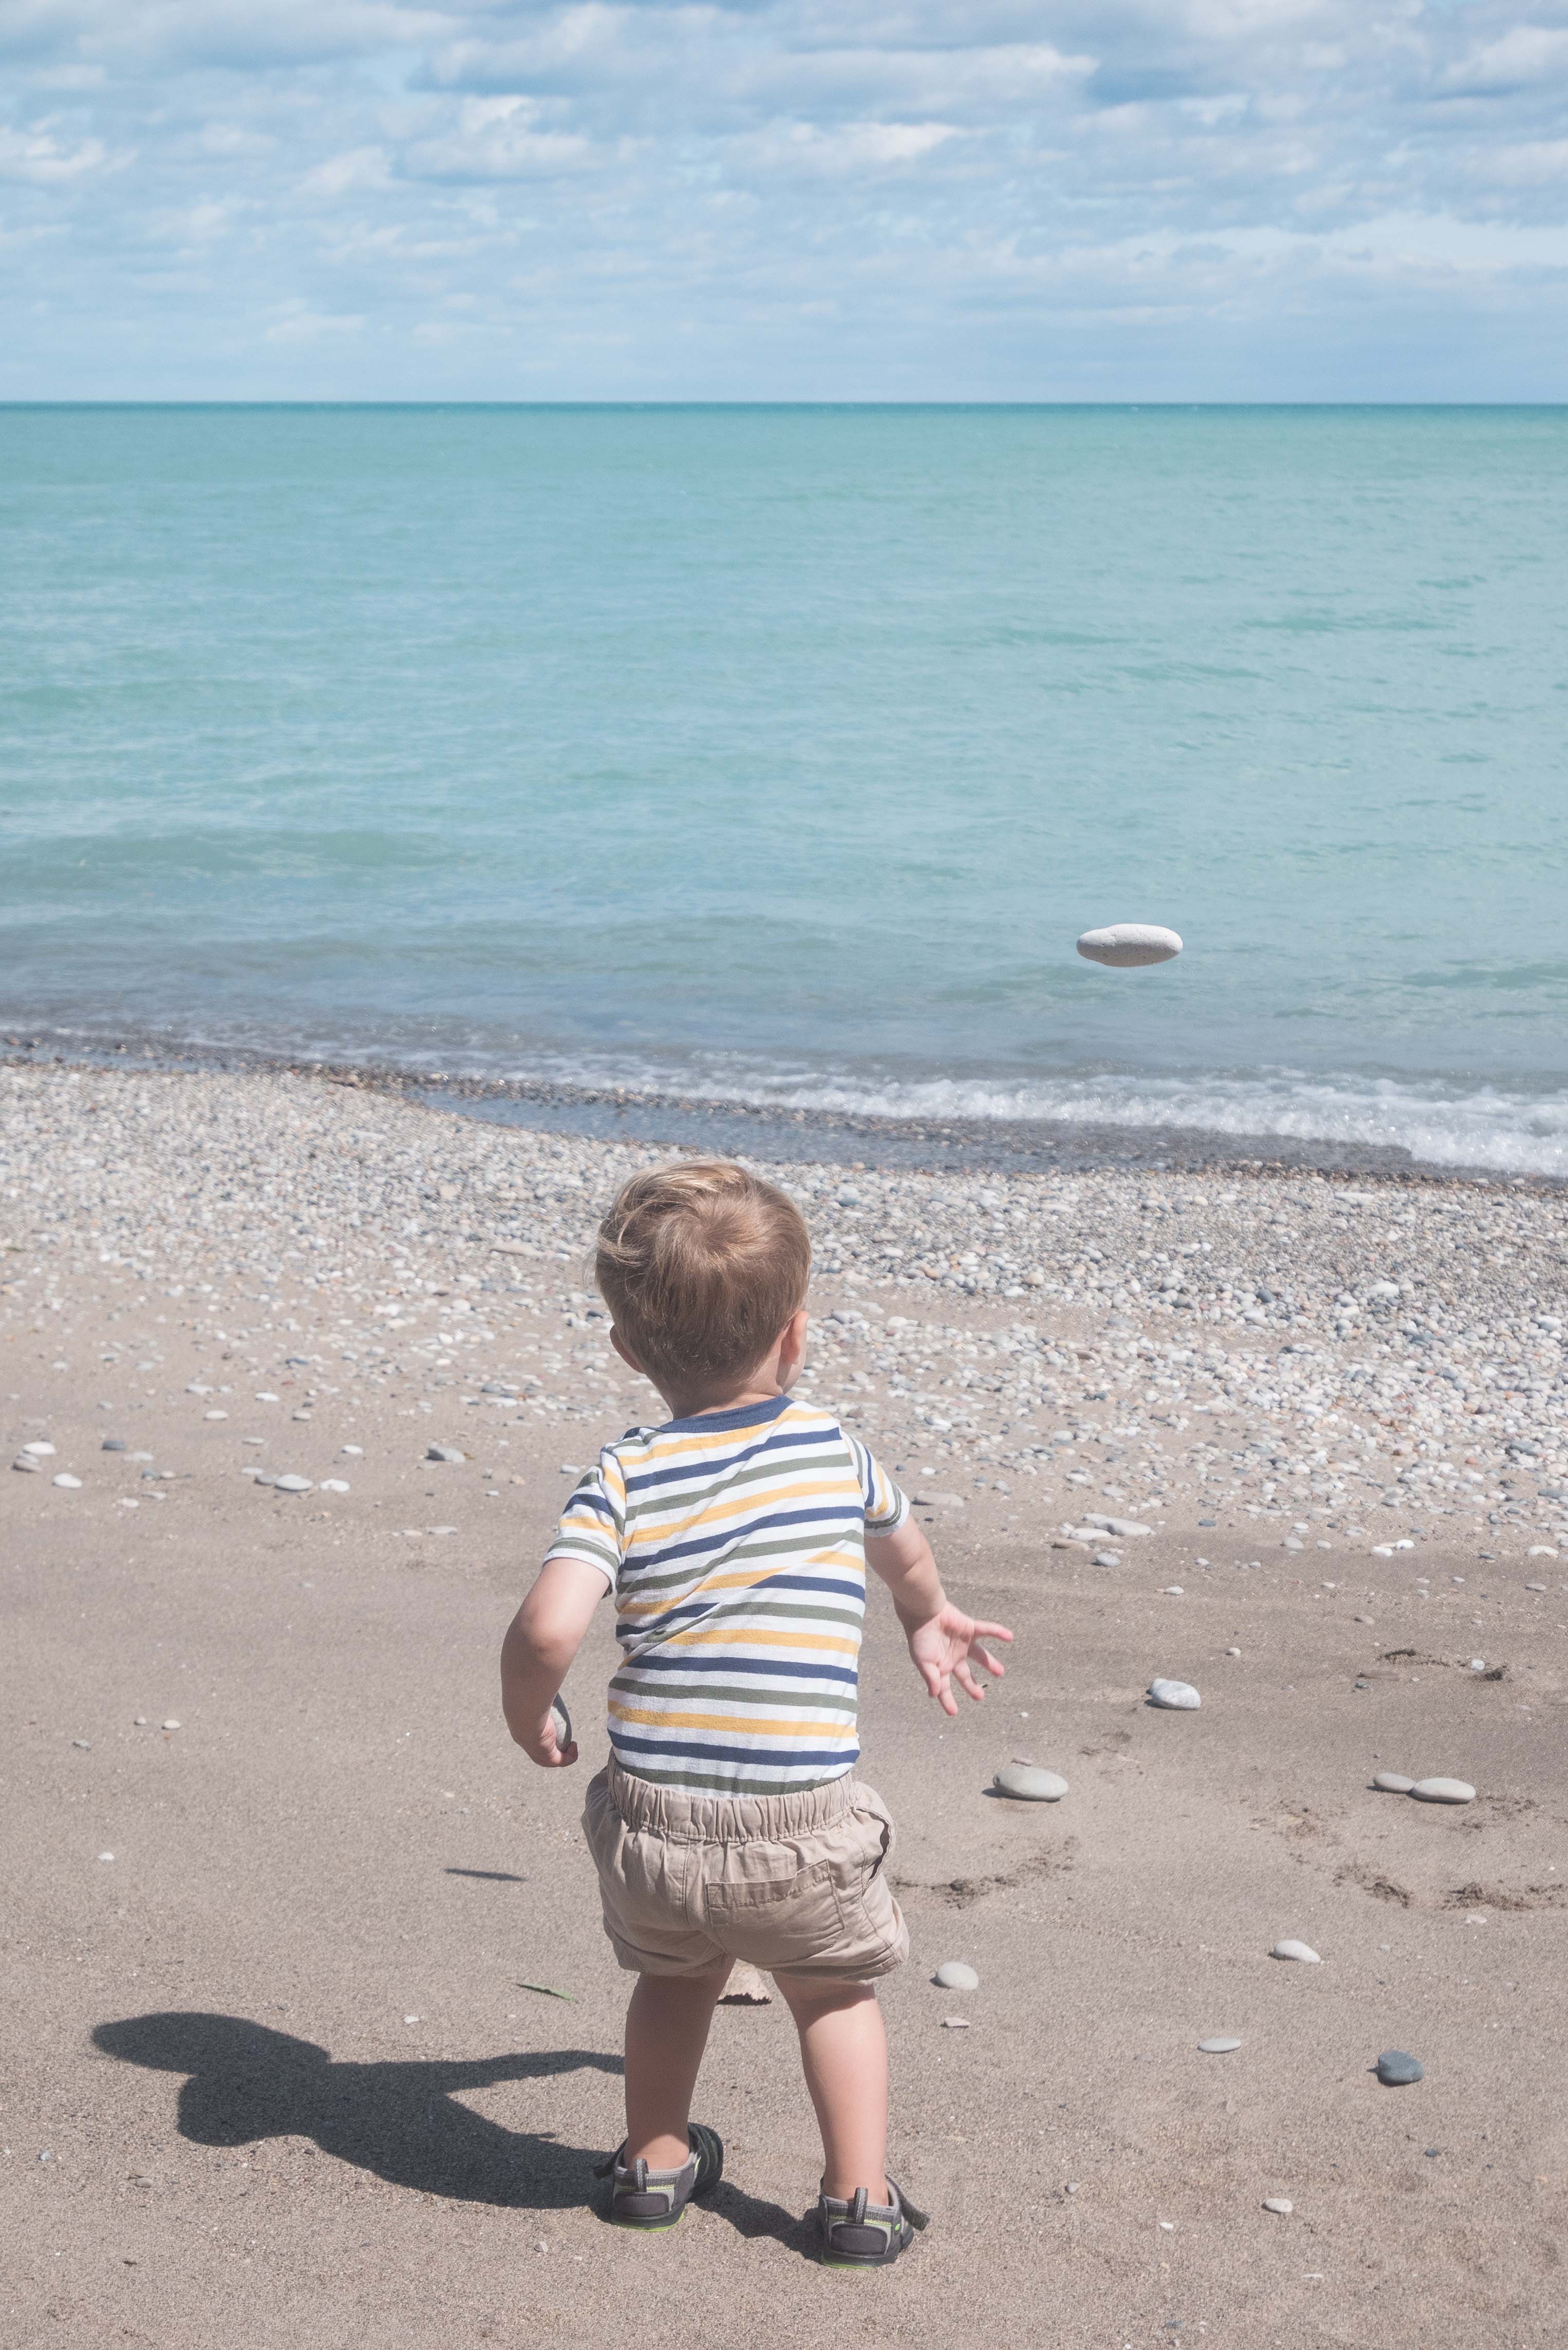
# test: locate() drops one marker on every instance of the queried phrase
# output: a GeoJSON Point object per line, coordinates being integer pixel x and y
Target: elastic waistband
{"type": "Point", "coordinates": [728, 1819]}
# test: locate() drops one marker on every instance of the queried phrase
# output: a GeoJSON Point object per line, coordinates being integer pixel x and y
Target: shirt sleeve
{"type": "Point", "coordinates": [886, 1506]}
{"type": "Point", "coordinates": [593, 1524]}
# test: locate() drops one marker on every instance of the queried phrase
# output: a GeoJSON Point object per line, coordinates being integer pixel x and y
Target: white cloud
{"type": "Point", "coordinates": [1526, 54]}
{"type": "Point", "coordinates": [980, 197]}
{"type": "Point", "coordinates": [360, 167]}
{"type": "Point", "coordinates": [46, 161]}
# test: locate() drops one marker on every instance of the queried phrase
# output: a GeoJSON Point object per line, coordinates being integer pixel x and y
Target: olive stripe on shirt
{"type": "Point", "coordinates": [735, 1545]}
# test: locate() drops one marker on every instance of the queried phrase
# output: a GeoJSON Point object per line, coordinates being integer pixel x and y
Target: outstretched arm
{"type": "Point", "coordinates": [541, 1641]}
{"type": "Point", "coordinates": [944, 1643]}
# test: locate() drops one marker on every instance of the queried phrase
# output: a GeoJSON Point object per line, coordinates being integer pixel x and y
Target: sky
{"type": "Point", "coordinates": [1135, 200]}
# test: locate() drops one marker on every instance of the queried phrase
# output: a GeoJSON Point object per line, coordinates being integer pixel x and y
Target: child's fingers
{"type": "Point", "coordinates": [992, 1664]}
{"type": "Point", "coordinates": [964, 1675]}
{"type": "Point", "coordinates": [991, 1632]}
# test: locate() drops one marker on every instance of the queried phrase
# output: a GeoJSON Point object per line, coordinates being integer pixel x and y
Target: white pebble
{"type": "Point", "coordinates": [353, 1452]}
{"type": "Point", "coordinates": [1217, 2047]}
{"type": "Point", "coordinates": [1392, 1783]}
{"type": "Point", "coordinates": [106, 1855]}
{"type": "Point", "coordinates": [1280, 2203]}
{"type": "Point", "coordinates": [170, 1724]}
{"type": "Point", "coordinates": [214, 1415]}
{"type": "Point", "coordinates": [1176, 1697]}
{"type": "Point", "coordinates": [1171, 1591]}
{"type": "Point", "coordinates": [1124, 946]}
{"type": "Point", "coordinates": [1443, 1790]}
{"type": "Point", "coordinates": [293, 1484]}
{"type": "Point", "coordinates": [954, 1975]}
{"type": "Point", "coordinates": [334, 1485]}
{"type": "Point", "coordinates": [955, 2023]}
{"type": "Point", "coordinates": [72, 1484]}
{"type": "Point", "coordinates": [39, 1450]}
{"type": "Point", "coordinates": [1302, 1951]}
{"type": "Point", "coordinates": [1030, 1785]}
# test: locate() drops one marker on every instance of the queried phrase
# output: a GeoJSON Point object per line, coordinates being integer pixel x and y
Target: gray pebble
{"type": "Point", "coordinates": [1396, 2070]}
{"type": "Point", "coordinates": [292, 1484]}
{"type": "Point", "coordinates": [112, 1445]}
{"type": "Point", "coordinates": [1392, 1783]}
{"type": "Point", "coordinates": [1124, 1528]}
{"type": "Point", "coordinates": [1443, 1790]}
{"type": "Point", "coordinates": [26, 1462]}
{"type": "Point", "coordinates": [940, 1502]}
{"type": "Point", "coordinates": [1176, 1697]}
{"type": "Point", "coordinates": [444, 1452]}
{"type": "Point", "coordinates": [953, 1975]}
{"type": "Point", "coordinates": [1029, 1784]}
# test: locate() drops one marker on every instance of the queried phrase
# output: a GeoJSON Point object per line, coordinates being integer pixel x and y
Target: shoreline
{"type": "Point", "coordinates": [637, 1115]}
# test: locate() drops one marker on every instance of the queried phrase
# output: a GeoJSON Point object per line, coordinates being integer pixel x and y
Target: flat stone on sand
{"type": "Point", "coordinates": [1301, 1951]}
{"type": "Point", "coordinates": [292, 1484]}
{"type": "Point", "coordinates": [1392, 1783]}
{"type": "Point", "coordinates": [953, 1975]}
{"type": "Point", "coordinates": [1176, 1697]}
{"type": "Point", "coordinates": [745, 1988]}
{"type": "Point", "coordinates": [1029, 1784]}
{"type": "Point", "coordinates": [1396, 2070]}
{"type": "Point", "coordinates": [1280, 2203]}
{"type": "Point", "coordinates": [1443, 1790]}
{"type": "Point", "coordinates": [1217, 2047]}
{"type": "Point", "coordinates": [444, 1452]}
{"type": "Point", "coordinates": [1124, 946]}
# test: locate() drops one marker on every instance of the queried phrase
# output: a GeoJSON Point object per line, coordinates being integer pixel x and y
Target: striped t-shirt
{"type": "Point", "coordinates": [734, 1543]}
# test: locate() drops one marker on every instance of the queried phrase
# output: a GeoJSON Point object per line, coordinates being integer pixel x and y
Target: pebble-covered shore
{"type": "Point", "coordinates": [1331, 1363]}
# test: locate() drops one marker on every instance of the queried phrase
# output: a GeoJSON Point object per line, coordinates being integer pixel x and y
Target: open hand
{"type": "Point", "coordinates": [947, 1647]}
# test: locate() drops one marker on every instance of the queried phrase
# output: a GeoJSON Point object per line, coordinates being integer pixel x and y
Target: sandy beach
{"type": "Point", "coordinates": [283, 1896]}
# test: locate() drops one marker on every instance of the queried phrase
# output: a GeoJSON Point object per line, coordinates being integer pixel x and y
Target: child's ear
{"type": "Point", "coordinates": [791, 1346]}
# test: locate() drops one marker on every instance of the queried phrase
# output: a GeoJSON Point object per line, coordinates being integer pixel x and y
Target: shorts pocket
{"type": "Point", "coordinates": [776, 1917]}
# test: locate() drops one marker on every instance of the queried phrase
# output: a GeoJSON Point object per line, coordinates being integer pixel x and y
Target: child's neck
{"type": "Point", "coordinates": [695, 1403]}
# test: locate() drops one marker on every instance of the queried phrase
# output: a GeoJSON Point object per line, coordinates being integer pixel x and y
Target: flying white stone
{"type": "Point", "coordinates": [1124, 945]}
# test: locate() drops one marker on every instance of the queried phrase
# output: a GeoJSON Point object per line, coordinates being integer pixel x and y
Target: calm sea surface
{"type": "Point", "coordinates": [782, 754]}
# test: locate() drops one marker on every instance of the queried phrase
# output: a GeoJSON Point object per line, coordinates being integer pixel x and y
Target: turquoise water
{"type": "Point", "coordinates": [783, 753]}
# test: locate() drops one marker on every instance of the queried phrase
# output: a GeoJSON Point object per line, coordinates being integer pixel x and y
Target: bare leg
{"type": "Point", "coordinates": [666, 2032]}
{"type": "Point", "coordinates": [844, 2050]}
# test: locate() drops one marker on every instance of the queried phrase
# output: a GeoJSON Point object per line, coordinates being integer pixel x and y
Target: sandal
{"type": "Point", "coordinates": [861, 2234]}
{"type": "Point", "coordinates": [654, 2199]}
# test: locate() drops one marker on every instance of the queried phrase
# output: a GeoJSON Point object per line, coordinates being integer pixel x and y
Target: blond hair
{"type": "Point", "coordinates": [701, 1265]}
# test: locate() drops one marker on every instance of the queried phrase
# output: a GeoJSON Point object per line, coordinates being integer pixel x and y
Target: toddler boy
{"type": "Point", "coordinates": [729, 1824]}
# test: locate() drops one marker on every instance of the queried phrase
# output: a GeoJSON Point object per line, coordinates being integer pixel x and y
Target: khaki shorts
{"type": "Point", "coordinates": [794, 1884]}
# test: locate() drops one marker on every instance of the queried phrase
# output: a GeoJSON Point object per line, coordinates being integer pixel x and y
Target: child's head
{"type": "Point", "coordinates": [702, 1266]}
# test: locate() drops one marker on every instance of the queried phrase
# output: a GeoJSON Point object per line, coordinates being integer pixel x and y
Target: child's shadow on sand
{"type": "Point", "coordinates": [402, 2119]}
